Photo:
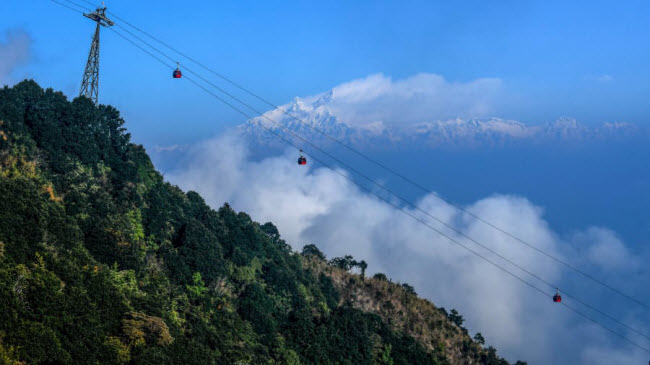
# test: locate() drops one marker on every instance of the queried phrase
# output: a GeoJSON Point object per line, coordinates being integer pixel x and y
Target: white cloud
{"type": "Point", "coordinates": [170, 148]}
{"type": "Point", "coordinates": [600, 78]}
{"type": "Point", "coordinates": [316, 205]}
{"type": "Point", "coordinates": [604, 78]}
{"type": "Point", "coordinates": [604, 248]}
{"type": "Point", "coordinates": [15, 51]}
{"type": "Point", "coordinates": [419, 98]}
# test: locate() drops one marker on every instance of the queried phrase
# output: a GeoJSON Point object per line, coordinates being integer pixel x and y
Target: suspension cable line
{"type": "Point", "coordinates": [399, 207]}
{"type": "Point", "coordinates": [384, 166]}
{"type": "Point", "coordinates": [381, 187]}
{"type": "Point", "coordinates": [67, 6]}
{"type": "Point", "coordinates": [419, 219]}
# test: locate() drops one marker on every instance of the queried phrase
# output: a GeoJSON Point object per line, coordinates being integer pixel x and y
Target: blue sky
{"type": "Point", "coordinates": [585, 59]}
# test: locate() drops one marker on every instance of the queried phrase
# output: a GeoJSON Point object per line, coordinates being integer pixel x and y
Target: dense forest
{"type": "Point", "coordinates": [103, 262]}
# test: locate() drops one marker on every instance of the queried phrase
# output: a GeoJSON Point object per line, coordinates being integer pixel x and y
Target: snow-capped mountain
{"type": "Point", "coordinates": [316, 120]}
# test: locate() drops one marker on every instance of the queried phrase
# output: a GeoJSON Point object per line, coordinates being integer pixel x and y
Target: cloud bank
{"type": "Point", "coordinates": [422, 97]}
{"type": "Point", "coordinates": [15, 51]}
{"type": "Point", "coordinates": [315, 205]}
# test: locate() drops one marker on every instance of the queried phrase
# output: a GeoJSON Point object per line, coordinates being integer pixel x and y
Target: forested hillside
{"type": "Point", "coordinates": [103, 262]}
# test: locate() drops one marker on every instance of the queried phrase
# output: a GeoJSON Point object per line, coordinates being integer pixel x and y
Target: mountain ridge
{"type": "Point", "coordinates": [308, 116]}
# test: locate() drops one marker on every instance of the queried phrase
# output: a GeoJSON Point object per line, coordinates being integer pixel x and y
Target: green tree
{"type": "Point", "coordinates": [346, 262]}
{"type": "Point", "coordinates": [478, 337]}
{"type": "Point", "coordinates": [380, 276]}
{"type": "Point", "coordinates": [312, 251]}
{"type": "Point", "coordinates": [408, 289]}
{"type": "Point", "coordinates": [362, 266]}
{"type": "Point", "coordinates": [385, 357]}
{"type": "Point", "coordinates": [455, 317]}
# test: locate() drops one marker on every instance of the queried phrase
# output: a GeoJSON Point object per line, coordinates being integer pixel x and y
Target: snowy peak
{"type": "Point", "coordinates": [570, 129]}
{"type": "Point", "coordinates": [564, 127]}
{"type": "Point", "coordinates": [460, 128]}
{"type": "Point", "coordinates": [298, 117]}
{"type": "Point", "coordinates": [316, 119]}
{"type": "Point", "coordinates": [325, 99]}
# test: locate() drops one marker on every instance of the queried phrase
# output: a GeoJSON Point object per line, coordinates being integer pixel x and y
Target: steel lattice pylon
{"type": "Point", "coordinates": [90, 82]}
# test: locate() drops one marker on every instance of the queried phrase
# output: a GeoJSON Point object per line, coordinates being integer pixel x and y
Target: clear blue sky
{"type": "Point", "coordinates": [586, 59]}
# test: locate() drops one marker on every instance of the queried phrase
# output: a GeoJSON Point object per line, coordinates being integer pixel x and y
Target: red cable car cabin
{"type": "Point", "coordinates": [302, 160]}
{"type": "Point", "coordinates": [557, 298]}
{"type": "Point", "coordinates": [177, 74]}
